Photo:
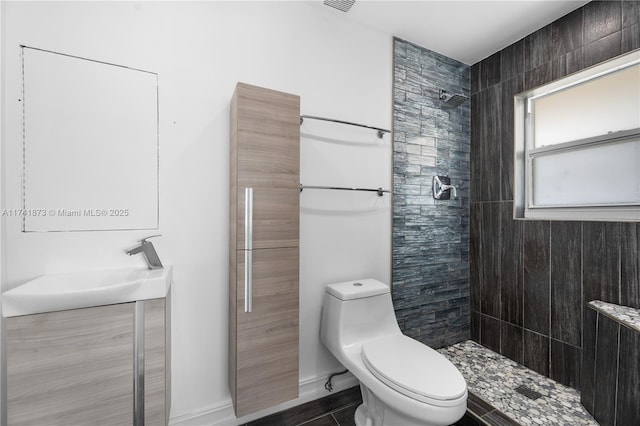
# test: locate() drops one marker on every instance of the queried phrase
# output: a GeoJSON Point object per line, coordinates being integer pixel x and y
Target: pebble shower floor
{"type": "Point", "coordinates": [494, 378]}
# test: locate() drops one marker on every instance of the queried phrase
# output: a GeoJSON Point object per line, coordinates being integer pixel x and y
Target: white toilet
{"type": "Point", "coordinates": [403, 382]}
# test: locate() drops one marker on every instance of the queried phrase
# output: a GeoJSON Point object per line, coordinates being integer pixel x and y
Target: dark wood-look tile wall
{"type": "Point", "coordinates": [601, 251]}
{"type": "Point", "coordinates": [490, 265]}
{"type": "Point", "coordinates": [607, 338]}
{"type": "Point", "coordinates": [536, 276]}
{"type": "Point", "coordinates": [510, 88]}
{"type": "Point", "coordinates": [611, 371]}
{"type": "Point", "coordinates": [602, 49]}
{"type": "Point", "coordinates": [491, 121]}
{"type": "Point", "coordinates": [601, 18]}
{"type": "Point", "coordinates": [565, 364]}
{"type": "Point", "coordinates": [566, 33]}
{"type": "Point", "coordinates": [576, 262]}
{"type": "Point", "coordinates": [490, 335]}
{"type": "Point", "coordinates": [587, 384]}
{"type": "Point", "coordinates": [536, 352]}
{"type": "Point", "coordinates": [630, 265]}
{"type": "Point", "coordinates": [566, 282]}
{"type": "Point", "coordinates": [511, 270]}
{"type": "Point", "coordinates": [631, 38]}
{"type": "Point", "coordinates": [475, 254]}
{"type": "Point", "coordinates": [512, 341]}
{"type": "Point", "coordinates": [627, 407]}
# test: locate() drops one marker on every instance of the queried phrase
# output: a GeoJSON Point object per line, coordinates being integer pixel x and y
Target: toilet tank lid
{"type": "Point", "coordinates": [357, 289]}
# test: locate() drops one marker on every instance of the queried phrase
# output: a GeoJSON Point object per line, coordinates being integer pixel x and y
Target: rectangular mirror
{"type": "Point", "coordinates": [90, 144]}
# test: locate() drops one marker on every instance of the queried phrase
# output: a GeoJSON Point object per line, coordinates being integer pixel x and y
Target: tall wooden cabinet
{"type": "Point", "coordinates": [263, 248]}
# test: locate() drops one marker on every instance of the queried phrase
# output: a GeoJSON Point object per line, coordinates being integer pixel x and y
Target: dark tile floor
{"type": "Point", "coordinates": [333, 410]}
{"type": "Point", "coordinates": [494, 399]}
{"type": "Point", "coordinates": [339, 409]}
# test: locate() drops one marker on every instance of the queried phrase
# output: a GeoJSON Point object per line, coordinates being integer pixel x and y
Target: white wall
{"type": "Point", "coordinates": [200, 50]}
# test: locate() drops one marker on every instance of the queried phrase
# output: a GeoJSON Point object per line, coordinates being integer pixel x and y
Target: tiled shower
{"type": "Point", "coordinates": [430, 238]}
{"type": "Point", "coordinates": [527, 283]}
{"type": "Point", "coordinates": [530, 281]}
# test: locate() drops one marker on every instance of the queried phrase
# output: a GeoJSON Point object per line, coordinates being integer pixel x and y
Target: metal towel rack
{"type": "Point", "coordinates": [380, 131]}
{"type": "Point", "coordinates": [379, 191]}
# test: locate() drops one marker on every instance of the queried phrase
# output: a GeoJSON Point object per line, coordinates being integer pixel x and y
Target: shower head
{"type": "Point", "coordinates": [343, 5]}
{"type": "Point", "coordinates": [451, 101]}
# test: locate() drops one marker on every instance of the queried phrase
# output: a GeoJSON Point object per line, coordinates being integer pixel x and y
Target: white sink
{"type": "Point", "coordinates": [59, 292]}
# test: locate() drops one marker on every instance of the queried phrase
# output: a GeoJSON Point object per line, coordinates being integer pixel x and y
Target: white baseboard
{"type": "Point", "coordinates": [223, 415]}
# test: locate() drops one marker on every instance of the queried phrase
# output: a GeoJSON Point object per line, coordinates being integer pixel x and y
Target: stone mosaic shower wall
{"type": "Point", "coordinates": [430, 237]}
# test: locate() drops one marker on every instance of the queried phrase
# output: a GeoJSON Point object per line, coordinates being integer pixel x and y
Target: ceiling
{"type": "Point", "coordinates": [467, 31]}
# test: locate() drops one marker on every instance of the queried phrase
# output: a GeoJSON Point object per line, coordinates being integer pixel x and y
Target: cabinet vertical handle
{"type": "Point", "coordinates": [248, 247]}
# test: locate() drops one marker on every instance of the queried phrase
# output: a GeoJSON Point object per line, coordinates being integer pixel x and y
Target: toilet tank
{"type": "Point", "coordinates": [356, 311]}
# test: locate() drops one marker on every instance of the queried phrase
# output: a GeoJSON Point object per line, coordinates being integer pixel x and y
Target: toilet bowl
{"type": "Point", "coordinates": [403, 382]}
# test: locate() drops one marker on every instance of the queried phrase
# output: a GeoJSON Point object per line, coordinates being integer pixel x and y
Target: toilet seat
{"type": "Point", "coordinates": [414, 369]}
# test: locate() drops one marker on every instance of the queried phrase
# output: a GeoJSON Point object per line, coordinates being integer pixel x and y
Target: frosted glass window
{"type": "Point", "coordinates": [586, 176]}
{"type": "Point", "coordinates": [607, 104]}
{"type": "Point", "coordinates": [577, 145]}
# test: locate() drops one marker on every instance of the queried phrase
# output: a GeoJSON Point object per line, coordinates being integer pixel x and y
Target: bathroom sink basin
{"type": "Point", "coordinates": [58, 292]}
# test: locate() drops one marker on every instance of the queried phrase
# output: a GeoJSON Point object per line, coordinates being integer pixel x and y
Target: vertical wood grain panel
{"type": "Point", "coordinates": [233, 239]}
{"type": "Point", "coordinates": [475, 255]}
{"type": "Point", "coordinates": [491, 134]}
{"type": "Point", "coordinates": [476, 150]}
{"type": "Point", "coordinates": [537, 48]}
{"type": "Point", "coordinates": [276, 217]}
{"type": "Point", "coordinates": [630, 265]}
{"type": "Point", "coordinates": [233, 173]}
{"type": "Point", "coordinates": [566, 33]}
{"type": "Point", "coordinates": [475, 326]}
{"type": "Point", "coordinates": [603, 49]}
{"type": "Point", "coordinates": [512, 342]}
{"type": "Point", "coordinates": [565, 364]}
{"type": "Point", "coordinates": [490, 333]}
{"type": "Point", "coordinates": [606, 371]}
{"type": "Point", "coordinates": [154, 362]}
{"type": "Point", "coordinates": [631, 36]}
{"type": "Point", "coordinates": [268, 138]}
{"type": "Point", "coordinates": [233, 324]}
{"type": "Point", "coordinates": [71, 367]}
{"type": "Point", "coordinates": [536, 352]}
{"type": "Point", "coordinates": [265, 156]}
{"type": "Point", "coordinates": [601, 18]}
{"type": "Point", "coordinates": [588, 359]}
{"type": "Point", "coordinates": [512, 60]}
{"type": "Point", "coordinates": [490, 71]}
{"type": "Point", "coordinates": [490, 260]}
{"type": "Point", "coordinates": [627, 407]}
{"type": "Point", "coordinates": [601, 268]}
{"type": "Point", "coordinates": [511, 269]}
{"type": "Point", "coordinates": [509, 89]}
{"type": "Point", "coordinates": [536, 276]}
{"type": "Point", "coordinates": [566, 282]}
{"type": "Point", "coordinates": [267, 351]}
{"type": "Point", "coordinates": [167, 356]}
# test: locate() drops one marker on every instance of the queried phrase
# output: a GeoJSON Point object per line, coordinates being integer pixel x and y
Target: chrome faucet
{"type": "Point", "coordinates": [148, 252]}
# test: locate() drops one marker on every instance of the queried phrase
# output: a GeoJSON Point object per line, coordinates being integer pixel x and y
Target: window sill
{"type": "Point", "coordinates": [619, 214]}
